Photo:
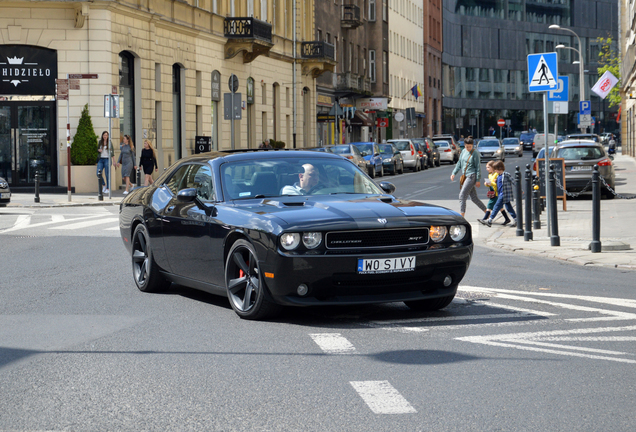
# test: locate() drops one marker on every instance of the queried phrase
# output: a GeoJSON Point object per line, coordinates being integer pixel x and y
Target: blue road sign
{"type": "Point", "coordinates": [542, 72]}
{"type": "Point", "coordinates": [560, 94]}
{"type": "Point", "coordinates": [585, 108]}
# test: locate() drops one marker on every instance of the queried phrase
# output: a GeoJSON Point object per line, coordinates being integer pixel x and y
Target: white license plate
{"type": "Point", "coordinates": [386, 265]}
{"type": "Point", "coordinates": [5, 195]}
{"type": "Point", "coordinates": [582, 168]}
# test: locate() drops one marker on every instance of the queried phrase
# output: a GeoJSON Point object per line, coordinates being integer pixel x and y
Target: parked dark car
{"type": "Point", "coordinates": [319, 149]}
{"type": "Point", "coordinates": [431, 150]}
{"type": "Point", "coordinates": [579, 157]}
{"type": "Point", "coordinates": [5, 193]}
{"type": "Point", "coordinates": [371, 153]}
{"type": "Point", "coordinates": [526, 138]}
{"type": "Point", "coordinates": [391, 159]}
{"type": "Point", "coordinates": [421, 151]}
{"type": "Point", "coordinates": [233, 224]}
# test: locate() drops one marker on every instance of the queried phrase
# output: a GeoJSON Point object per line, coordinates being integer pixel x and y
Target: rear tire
{"type": "Point", "coordinates": [430, 304]}
{"type": "Point", "coordinates": [401, 171]}
{"type": "Point", "coordinates": [245, 287]}
{"type": "Point", "coordinates": [145, 270]}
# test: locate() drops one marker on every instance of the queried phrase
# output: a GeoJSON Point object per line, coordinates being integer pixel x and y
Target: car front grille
{"type": "Point", "coordinates": [380, 238]}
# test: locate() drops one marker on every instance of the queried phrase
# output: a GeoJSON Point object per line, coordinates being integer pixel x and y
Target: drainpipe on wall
{"type": "Point", "coordinates": [294, 73]}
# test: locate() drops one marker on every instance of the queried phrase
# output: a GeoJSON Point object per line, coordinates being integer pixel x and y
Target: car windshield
{"type": "Point", "coordinates": [510, 141]}
{"type": "Point", "coordinates": [526, 137]}
{"type": "Point", "coordinates": [580, 153]}
{"type": "Point", "coordinates": [386, 149]}
{"type": "Point", "coordinates": [341, 149]}
{"type": "Point", "coordinates": [541, 154]}
{"type": "Point", "coordinates": [402, 145]}
{"type": "Point", "coordinates": [365, 149]}
{"type": "Point", "coordinates": [488, 143]}
{"type": "Point", "coordinates": [304, 175]}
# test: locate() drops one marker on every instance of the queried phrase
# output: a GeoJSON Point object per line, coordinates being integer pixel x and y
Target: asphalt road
{"type": "Point", "coordinates": [528, 344]}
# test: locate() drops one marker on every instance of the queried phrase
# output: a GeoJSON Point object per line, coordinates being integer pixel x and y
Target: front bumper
{"type": "Point", "coordinates": [333, 279]}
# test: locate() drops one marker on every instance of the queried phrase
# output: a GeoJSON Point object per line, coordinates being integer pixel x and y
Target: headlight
{"type": "Point", "coordinates": [437, 233]}
{"type": "Point", "coordinates": [290, 241]}
{"type": "Point", "coordinates": [387, 160]}
{"type": "Point", "coordinates": [519, 148]}
{"type": "Point", "coordinates": [312, 240]}
{"type": "Point", "coordinates": [457, 232]}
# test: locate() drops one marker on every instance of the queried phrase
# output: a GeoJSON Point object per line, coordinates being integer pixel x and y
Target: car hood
{"type": "Point", "coordinates": [358, 211]}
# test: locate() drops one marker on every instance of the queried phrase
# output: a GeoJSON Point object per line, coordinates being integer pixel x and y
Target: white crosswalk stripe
{"type": "Point", "coordinates": [333, 343]}
{"type": "Point", "coordinates": [382, 397]}
{"type": "Point", "coordinates": [86, 224]}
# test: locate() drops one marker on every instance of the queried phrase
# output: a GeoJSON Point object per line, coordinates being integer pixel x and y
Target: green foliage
{"type": "Point", "coordinates": [277, 144]}
{"type": "Point", "coordinates": [84, 146]}
{"type": "Point", "coordinates": [609, 60]}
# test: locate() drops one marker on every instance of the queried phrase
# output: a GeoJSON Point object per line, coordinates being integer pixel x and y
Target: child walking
{"type": "Point", "coordinates": [491, 183]}
{"type": "Point", "coordinates": [504, 188]}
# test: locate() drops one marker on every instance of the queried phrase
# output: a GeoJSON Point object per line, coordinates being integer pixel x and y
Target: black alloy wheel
{"type": "Point", "coordinates": [145, 270]}
{"type": "Point", "coordinates": [245, 287]}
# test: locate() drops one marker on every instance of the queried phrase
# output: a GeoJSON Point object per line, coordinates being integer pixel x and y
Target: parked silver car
{"type": "Point", "coordinates": [350, 152]}
{"type": "Point", "coordinates": [513, 146]}
{"type": "Point", "coordinates": [580, 156]}
{"type": "Point", "coordinates": [410, 154]}
{"type": "Point", "coordinates": [5, 193]}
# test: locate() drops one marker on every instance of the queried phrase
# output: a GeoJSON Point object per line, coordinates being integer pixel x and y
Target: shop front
{"type": "Point", "coordinates": [27, 115]}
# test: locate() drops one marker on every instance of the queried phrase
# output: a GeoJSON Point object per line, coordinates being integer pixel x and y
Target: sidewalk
{"type": "Point", "coordinates": [61, 200]}
{"type": "Point", "coordinates": [618, 223]}
{"type": "Point", "coordinates": [618, 228]}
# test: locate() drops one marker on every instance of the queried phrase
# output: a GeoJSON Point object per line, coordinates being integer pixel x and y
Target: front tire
{"type": "Point", "coordinates": [382, 171]}
{"type": "Point", "coordinates": [245, 287]}
{"type": "Point", "coordinates": [372, 172]}
{"type": "Point", "coordinates": [145, 270]}
{"type": "Point", "coordinates": [430, 304]}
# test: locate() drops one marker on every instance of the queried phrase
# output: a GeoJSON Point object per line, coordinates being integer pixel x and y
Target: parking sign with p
{"type": "Point", "coordinates": [585, 108]}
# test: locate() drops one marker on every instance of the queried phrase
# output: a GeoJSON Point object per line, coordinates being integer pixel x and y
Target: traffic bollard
{"type": "Point", "coordinates": [100, 186]}
{"type": "Point", "coordinates": [527, 235]}
{"type": "Point", "coordinates": [138, 177]}
{"type": "Point", "coordinates": [519, 202]}
{"type": "Point", "coordinates": [536, 207]}
{"type": "Point", "coordinates": [595, 246]}
{"type": "Point", "coordinates": [37, 188]}
{"type": "Point", "coordinates": [554, 220]}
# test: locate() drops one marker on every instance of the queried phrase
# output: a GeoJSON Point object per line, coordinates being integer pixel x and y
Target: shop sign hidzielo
{"type": "Point", "coordinates": [27, 70]}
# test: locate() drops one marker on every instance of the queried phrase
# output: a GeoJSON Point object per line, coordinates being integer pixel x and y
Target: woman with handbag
{"type": "Point", "coordinates": [470, 165]}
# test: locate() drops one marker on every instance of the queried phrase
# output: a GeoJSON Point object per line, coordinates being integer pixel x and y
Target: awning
{"type": "Point", "coordinates": [361, 119]}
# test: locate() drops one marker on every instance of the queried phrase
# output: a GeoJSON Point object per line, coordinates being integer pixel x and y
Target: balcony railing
{"type": "Point", "coordinates": [317, 50]}
{"type": "Point", "coordinates": [352, 82]}
{"type": "Point", "coordinates": [350, 16]}
{"type": "Point", "coordinates": [246, 28]}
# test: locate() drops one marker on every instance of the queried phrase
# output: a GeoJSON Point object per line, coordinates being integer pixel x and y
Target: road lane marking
{"type": "Point", "coordinates": [18, 226]}
{"type": "Point", "coordinates": [382, 398]}
{"type": "Point", "coordinates": [86, 224]}
{"type": "Point", "coordinates": [421, 191]}
{"type": "Point", "coordinates": [333, 343]}
{"type": "Point", "coordinates": [521, 341]}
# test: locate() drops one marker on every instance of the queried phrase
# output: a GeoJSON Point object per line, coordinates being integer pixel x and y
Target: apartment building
{"type": "Point", "coordinates": [168, 61]}
{"type": "Point", "coordinates": [627, 52]}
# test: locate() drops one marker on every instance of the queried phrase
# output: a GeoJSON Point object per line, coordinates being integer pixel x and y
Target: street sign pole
{"type": "Point", "coordinates": [68, 145]}
{"type": "Point", "coordinates": [546, 146]}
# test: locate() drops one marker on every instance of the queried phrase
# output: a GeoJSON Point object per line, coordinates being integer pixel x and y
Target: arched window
{"type": "Point", "coordinates": [176, 110]}
{"type": "Point", "coordinates": [126, 95]}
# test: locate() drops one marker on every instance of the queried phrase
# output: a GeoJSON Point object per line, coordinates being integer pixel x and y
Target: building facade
{"type": "Point", "coordinates": [170, 64]}
{"type": "Point", "coordinates": [406, 68]}
{"type": "Point", "coordinates": [627, 44]}
{"type": "Point", "coordinates": [486, 45]}
{"type": "Point", "coordinates": [433, 66]}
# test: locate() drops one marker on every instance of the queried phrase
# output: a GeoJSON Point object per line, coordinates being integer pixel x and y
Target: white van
{"type": "Point", "coordinates": [539, 142]}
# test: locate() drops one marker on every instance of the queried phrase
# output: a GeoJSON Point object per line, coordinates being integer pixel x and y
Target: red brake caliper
{"type": "Point", "coordinates": [241, 272]}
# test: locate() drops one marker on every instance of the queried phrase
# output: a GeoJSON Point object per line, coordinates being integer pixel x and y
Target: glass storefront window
{"type": "Point", "coordinates": [126, 96]}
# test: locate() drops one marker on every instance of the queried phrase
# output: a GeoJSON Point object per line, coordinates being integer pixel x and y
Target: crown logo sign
{"type": "Point", "coordinates": [15, 60]}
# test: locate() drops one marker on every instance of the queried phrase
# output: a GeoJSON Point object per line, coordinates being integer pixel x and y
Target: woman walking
{"type": "Point", "coordinates": [470, 166]}
{"type": "Point", "coordinates": [148, 161]}
{"type": "Point", "coordinates": [127, 161]}
{"type": "Point", "coordinates": [105, 151]}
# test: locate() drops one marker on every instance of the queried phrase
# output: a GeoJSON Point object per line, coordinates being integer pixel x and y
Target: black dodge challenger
{"type": "Point", "coordinates": [271, 228]}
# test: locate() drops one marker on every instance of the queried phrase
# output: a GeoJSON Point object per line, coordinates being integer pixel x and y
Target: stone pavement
{"type": "Point", "coordinates": [618, 223]}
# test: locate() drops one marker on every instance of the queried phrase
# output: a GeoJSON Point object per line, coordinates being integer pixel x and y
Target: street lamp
{"type": "Point", "coordinates": [580, 51]}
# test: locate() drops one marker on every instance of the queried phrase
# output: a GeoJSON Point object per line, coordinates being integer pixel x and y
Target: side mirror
{"type": "Point", "coordinates": [187, 195]}
{"type": "Point", "coordinates": [387, 187]}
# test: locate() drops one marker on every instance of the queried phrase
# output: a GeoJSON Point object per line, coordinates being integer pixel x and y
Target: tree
{"type": "Point", "coordinates": [608, 60]}
{"type": "Point", "coordinates": [84, 147]}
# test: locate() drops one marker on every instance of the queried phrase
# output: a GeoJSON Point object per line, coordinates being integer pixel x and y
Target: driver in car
{"type": "Point", "coordinates": [306, 181]}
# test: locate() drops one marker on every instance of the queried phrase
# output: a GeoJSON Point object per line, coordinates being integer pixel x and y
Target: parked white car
{"type": "Point", "coordinates": [409, 153]}
{"type": "Point", "coordinates": [446, 153]}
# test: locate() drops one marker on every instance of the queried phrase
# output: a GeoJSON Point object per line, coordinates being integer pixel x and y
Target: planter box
{"type": "Point", "coordinates": [83, 178]}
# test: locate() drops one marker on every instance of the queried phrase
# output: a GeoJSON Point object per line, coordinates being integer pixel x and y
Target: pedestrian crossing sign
{"type": "Point", "coordinates": [542, 72]}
